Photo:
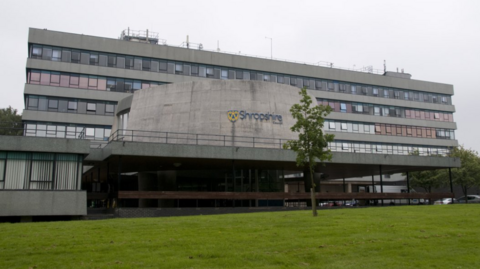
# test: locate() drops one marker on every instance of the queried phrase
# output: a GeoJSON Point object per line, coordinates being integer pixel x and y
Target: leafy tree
{"type": "Point", "coordinates": [312, 142]}
{"type": "Point", "coordinates": [468, 175]}
{"type": "Point", "coordinates": [10, 122]}
{"type": "Point", "coordinates": [428, 180]}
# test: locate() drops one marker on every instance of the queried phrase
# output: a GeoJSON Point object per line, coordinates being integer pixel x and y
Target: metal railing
{"type": "Point", "coordinates": [196, 139]}
{"type": "Point", "coordinates": [124, 135]}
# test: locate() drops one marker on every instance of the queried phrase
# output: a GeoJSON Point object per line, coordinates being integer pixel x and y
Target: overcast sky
{"type": "Point", "coordinates": [432, 40]}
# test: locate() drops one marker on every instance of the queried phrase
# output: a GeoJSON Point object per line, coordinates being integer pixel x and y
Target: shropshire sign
{"type": "Point", "coordinates": [234, 115]}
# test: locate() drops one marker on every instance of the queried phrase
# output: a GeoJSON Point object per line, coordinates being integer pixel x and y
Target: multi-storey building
{"type": "Point", "coordinates": [81, 86]}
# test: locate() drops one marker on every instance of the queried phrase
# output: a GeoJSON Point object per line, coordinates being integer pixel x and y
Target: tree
{"type": "Point", "coordinates": [468, 175]}
{"type": "Point", "coordinates": [428, 180]}
{"type": "Point", "coordinates": [312, 142]}
{"type": "Point", "coordinates": [10, 122]}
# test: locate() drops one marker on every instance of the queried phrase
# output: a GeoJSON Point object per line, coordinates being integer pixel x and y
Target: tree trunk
{"type": "Point", "coordinates": [312, 193]}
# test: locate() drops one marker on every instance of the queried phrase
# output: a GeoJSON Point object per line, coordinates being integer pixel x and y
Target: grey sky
{"type": "Point", "coordinates": [432, 40]}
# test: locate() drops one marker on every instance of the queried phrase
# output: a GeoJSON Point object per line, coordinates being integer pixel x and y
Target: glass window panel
{"type": "Point", "coordinates": [56, 55]}
{"type": "Point", "coordinates": [75, 56]}
{"type": "Point", "coordinates": [91, 107]}
{"type": "Point", "coordinates": [83, 82]}
{"type": "Point", "coordinates": [74, 81]}
{"type": "Point", "coordinates": [45, 78]}
{"type": "Point", "coordinates": [92, 82]}
{"type": "Point", "coordinates": [55, 79]}
{"type": "Point", "coordinates": [32, 102]}
{"type": "Point", "coordinates": [109, 108]}
{"type": "Point", "coordinates": [53, 104]}
{"type": "Point", "coordinates": [47, 53]}
{"type": "Point", "coordinates": [35, 77]}
{"type": "Point", "coordinates": [93, 59]}
{"type": "Point", "coordinates": [112, 61]}
{"type": "Point", "coordinates": [72, 105]}
{"type": "Point", "coordinates": [36, 52]}
{"type": "Point", "coordinates": [64, 80]}
{"type": "Point", "coordinates": [102, 83]}
{"type": "Point", "coordinates": [146, 64]}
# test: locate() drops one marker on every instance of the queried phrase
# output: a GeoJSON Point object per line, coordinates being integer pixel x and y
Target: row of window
{"type": "Point", "coordinates": [385, 111]}
{"type": "Point", "coordinates": [69, 105]}
{"type": "Point", "coordinates": [388, 129]}
{"type": "Point", "coordinates": [40, 171]}
{"type": "Point", "coordinates": [69, 80]}
{"type": "Point", "coordinates": [66, 130]}
{"type": "Point", "coordinates": [380, 148]}
{"type": "Point", "coordinates": [219, 72]}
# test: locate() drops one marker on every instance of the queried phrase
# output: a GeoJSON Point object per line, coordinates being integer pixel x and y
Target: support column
{"type": "Point", "coordinates": [451, 181]}
{"type": "Point", "coordinates": [119, 178]}
{"type": "Point", "coordinates": [373, 184]}
{"type": "Point", "coordinates": [408, 186]}
{"type": "Point", "coordinates": [381, 181]}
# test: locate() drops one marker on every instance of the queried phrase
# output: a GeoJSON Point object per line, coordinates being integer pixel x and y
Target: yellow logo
{"type": "Point", "coordinates": [232, 115]}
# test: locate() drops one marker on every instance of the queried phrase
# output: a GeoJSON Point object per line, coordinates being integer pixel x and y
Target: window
{"type": "Point", "coordinates": [109, 108]}
{"type": "Point", "coordinates": [72, 105]}
{"type": "Point", "coordinates": [406, 96]}
{"type": "Point", "coordinates": [343, 107]}
{"type": "Point", "coordinates": [36, 52]}
{"type": "Point", "coordinates": [331, 125]}
{"type": "Point", "coordinates": [376, 111]}
{"type": "Point", "coordinates": [386, 111]}
{"type": "Point", "coordinates": [364, 90]}
{"type": "Point", "coordinates": [56, 55]}
{"type": "Point", "coordinates": [386, 94]}
{"type": "Point", "coordinates": [224, 74]}
{"type": "Point", "coordinates": [32, 102]}
{"type": "Point", "coordinates": [436, 115]}
{"type": "Point", "coordinates": [344, 126]}
{"type": "Point", "coordinates": [366, 127]}
{"type": "Point", "coordinates": [444, 99]}
{"type": "Point", "coordinates": [93, 59]}
{"type": "Point", "coordinates": [354, 89]}
{"type": "Point", "coordinates": [375, 91]}
{"type": "Point", "coordinates": [210, 73]}
{"type": "Point", "coordinates": [112, 61]}
{"type": "Point", "coordinates": [379, 148]}
{"type": "Point", "coordinates": [266, 77]}
{"type": "Point", "coordinates": [280, 79]}
{"type": "Point", "coordinates": [75, 56]}
{"type": "Point", "coordinates": [397, 94]}
{"type": "Point", "coordinates": [178, 68]}
{"type": "Point", "coordinates": [344, 146]}
{"type": "Point", "coordinates": [355, 127]}
{"type": "Point", "coordinates": [194, 70]}
{"type": "Point", "coordinates": [239, 74]}
{"type": "Point", "coordinates": [341, 87]}
{"type": "Point", "coordinates": [318, 84]}
{"type": "Point", "coordinates": [91, 107]}
{"type": "Point", "coordinates": [330, 86]}
{"type": "Point", "coordinates": [52, 104]}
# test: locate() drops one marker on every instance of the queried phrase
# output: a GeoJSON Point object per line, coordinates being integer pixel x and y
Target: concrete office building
{"type": "Point", "coordinates": [185, 127]}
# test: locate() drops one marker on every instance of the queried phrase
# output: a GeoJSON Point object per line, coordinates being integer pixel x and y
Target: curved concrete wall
{"type": "Point", "coordinates": [202, 107]}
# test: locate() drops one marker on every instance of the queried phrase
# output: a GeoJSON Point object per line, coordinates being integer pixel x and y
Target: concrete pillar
{"type": "Point", "coordinates": [167, 181]}
{"type": "Point", "coordinates": [349, 188]}
{"type": "Point", "coordinates": [147, 182]}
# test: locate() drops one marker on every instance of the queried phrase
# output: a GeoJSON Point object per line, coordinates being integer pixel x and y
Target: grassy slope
{"type": "Point", "coordinates": [389, 237]}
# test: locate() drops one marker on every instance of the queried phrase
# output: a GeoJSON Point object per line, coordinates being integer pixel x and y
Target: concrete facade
{"type": "Point", "coordinates": [43, 203]}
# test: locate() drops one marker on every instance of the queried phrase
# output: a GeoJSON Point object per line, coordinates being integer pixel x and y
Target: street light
{"type": "Point", "coordinates": [271, 47]}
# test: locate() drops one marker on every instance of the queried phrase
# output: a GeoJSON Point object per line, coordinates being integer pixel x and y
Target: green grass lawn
{"type": "Point", "coordinates": [390, 237]}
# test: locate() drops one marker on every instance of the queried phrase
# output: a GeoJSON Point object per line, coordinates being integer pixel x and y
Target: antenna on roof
{"type": "Point", "coordinates": [218, 45]}
{"type": "Point", "coordinates": [384, 66]}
